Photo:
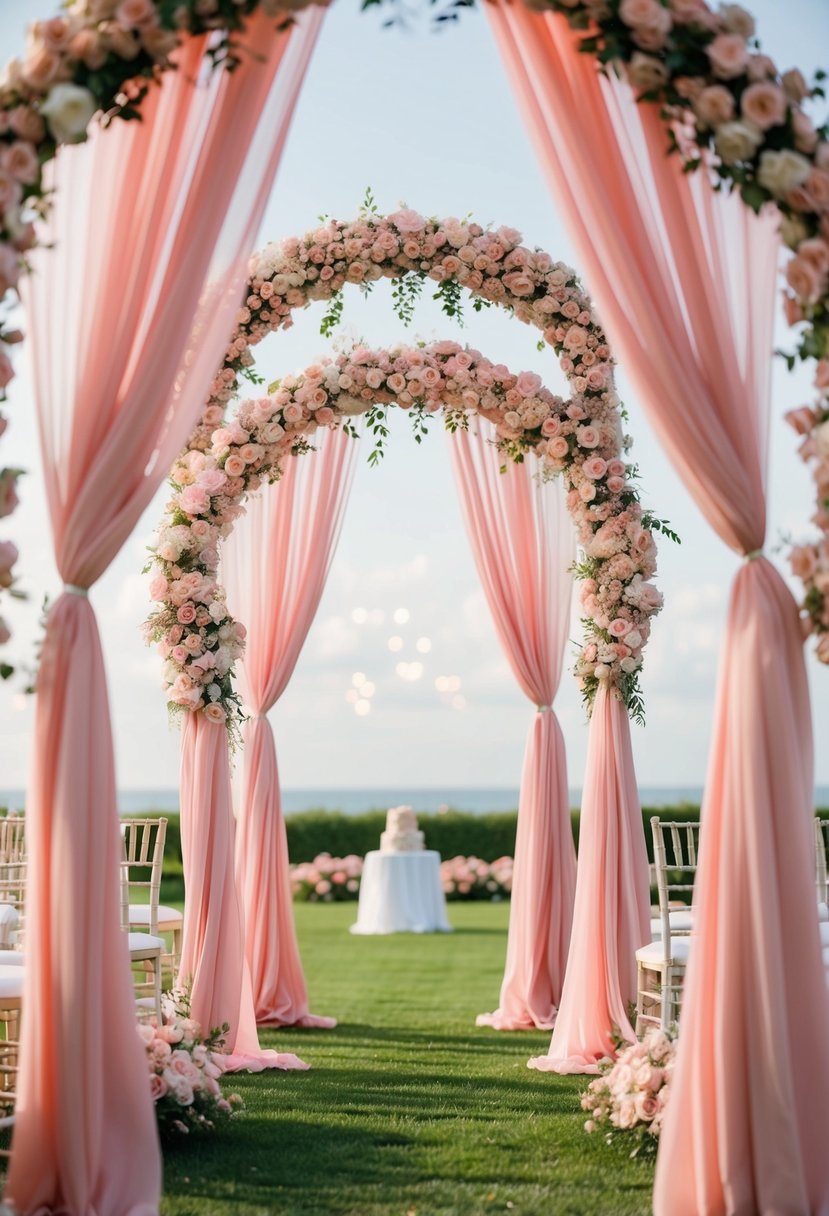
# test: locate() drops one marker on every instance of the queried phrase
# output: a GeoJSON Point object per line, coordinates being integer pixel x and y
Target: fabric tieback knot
{"type": "Point", "coordinates": [544, 709]}
{"type": "Point", "coordinates": [71, 589]}
{"type": "Point", "coordinates": [755, 553]}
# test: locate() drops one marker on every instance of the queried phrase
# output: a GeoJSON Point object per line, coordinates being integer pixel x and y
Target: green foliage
{"type": "Point", "coordinates": [450, 295]}
{"type": "Point", "coordinates": [333, 314]}
{"type": "Point", "coordinates": [405, 293]}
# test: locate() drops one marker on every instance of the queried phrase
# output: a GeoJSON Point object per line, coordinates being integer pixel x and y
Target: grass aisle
{"type": "Point", "coordinates": [409, 1110]}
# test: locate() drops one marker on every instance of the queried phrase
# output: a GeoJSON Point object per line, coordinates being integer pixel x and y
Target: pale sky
{"type": "Point", "coordinates": [427, 118]}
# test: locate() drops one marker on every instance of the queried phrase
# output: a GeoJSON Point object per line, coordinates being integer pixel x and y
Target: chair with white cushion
{"type": "Point", "coordinates": [141, 862]}
{"type": "Point", "coordinates": [660, 966]}
{"type": "Point", "coordinates": [12, 855]}
{"type": "Point", "coordinates": [168, 920]}
{"type": "Point", "coordinates": [11, 999]}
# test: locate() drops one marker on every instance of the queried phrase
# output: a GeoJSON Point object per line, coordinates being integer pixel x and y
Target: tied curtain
{"type": "Point", "coordinates": [684, 279]}
{"type": "Point", "coordinates": [274, 565]}
{"type": "Point", "coordinates": [523, 544]}
{"type": "Point", "coordinates": [152, 225]}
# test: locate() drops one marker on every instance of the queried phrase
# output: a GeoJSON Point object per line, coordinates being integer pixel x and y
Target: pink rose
{"type": "Point", "coordinates": [19, 160]}
{"type": "Point", "coordinates": [27, 123]}
{"type": "Point", "coordinates": [715, 105]}
{"type": "Point", "coordinates": [6, 370]}
{"type": "Point", "coordinates": [822, 374]}
{"type": "Point", "coordinates": [587, 436]}
{"type": "Point", "coordinates": [519, 283]}
{"type": "Point", "coordinates": [8, 492]}
{"type": "Point", "coordinates": [618, 627]}
{"type": "Point", "coordinates": [528, 384]}
{"type": "Point", "coordinates": [186, 614]}
{"type": "Point", "coordinates": [324, 415]}
{"type": "Point", "coordinates": [407, 220]}
{"type": "Point", "coordinates": [558, 447]}
{"type": "Point", "coordinates": [215, 713]}
{"type": "Point", "coordinates": [234, 466]}
{"type": "Point", "coordinates": [158, 1087]}
{"type": "Point", "coordinates": [158, 587]}
{"type": "Point", "coordinates": [764, 104]}
{"type": "Point", "coordinates": [805, 280]}
{"type": "Point", "coordinates": [575, 338]}
{"type": "Point", "coordinates": [803, 561]}
{"type": "Point", "coordinates": [594, 468]}
{"type": "Point", "coordinates": [550, 427]}
{"type": "Point", "coordinates": [194, 500]}
{"type": "Point", "coordinates": [816, 252]}
{"type": "Point", "coordinates": [728, 54]}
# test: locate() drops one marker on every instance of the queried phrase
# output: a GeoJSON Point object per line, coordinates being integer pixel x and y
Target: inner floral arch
{"type": "Point", "coordinates": [581, 438]}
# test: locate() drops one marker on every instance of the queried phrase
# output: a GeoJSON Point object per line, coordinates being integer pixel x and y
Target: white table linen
{"type": "Point", "coordinates": [401, 893]}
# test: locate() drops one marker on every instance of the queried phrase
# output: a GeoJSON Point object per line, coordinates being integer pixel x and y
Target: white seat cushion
{"type": "Point", "coordinates": [652, 954]}
{"type": "Point", "coordinates": [9, 920]}
{"type": "Point", "coordinates": [11, 958]}
{"type": "Point", "coordinates": [11, 983]}
{"type": "Point", "coordinates": [146, 941]}
{"type": "Point", "coordinates": [680, 921]}
{"type": "Point", "coordinates": [822, 911]}
{"type": "Point", "coordinates": [140, 915]}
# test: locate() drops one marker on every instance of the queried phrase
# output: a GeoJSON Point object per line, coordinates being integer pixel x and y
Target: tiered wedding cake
{"type": "Point", "coordinates": [401, 834]}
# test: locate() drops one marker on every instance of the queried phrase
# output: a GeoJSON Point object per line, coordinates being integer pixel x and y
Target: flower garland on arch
{"type": "Point", "coordinates": [101, 55]}
{"type": "Point", "coordinates": [581, 438]}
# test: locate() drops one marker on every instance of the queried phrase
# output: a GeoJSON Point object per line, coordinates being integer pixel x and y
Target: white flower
{"type": "Point", "coordinates": [68, 109]}
{"type": "Point", "coordinates": [737, 141]}
{"type": "Point", "coordinates": [781, 171]}
{"type": "Point", "coordinates": [792, 231]}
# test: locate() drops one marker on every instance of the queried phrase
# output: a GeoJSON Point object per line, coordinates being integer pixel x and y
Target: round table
{"type": "Point", "coordinates": [401, 893]}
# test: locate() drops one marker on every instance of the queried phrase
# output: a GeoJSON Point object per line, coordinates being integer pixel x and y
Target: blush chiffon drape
{"type": "Point", "coordinates": [684, 279]}
{"type": "Point", "coordinates": [274, 565]}
{"type": "Point", "coordinates": [523, 543]}
{"type": "Point", "coordinates": [128, 311]}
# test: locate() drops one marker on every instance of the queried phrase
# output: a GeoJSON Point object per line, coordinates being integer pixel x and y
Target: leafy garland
{"type": "Point", "coordinates": [581, 438]}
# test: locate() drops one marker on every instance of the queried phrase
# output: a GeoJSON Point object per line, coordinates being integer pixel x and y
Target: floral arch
{"type": "Point", "coordinates": [581, 438]}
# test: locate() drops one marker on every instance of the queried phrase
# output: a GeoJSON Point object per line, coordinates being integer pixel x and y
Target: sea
{"type": "Point", "coordinates": [435, 799]}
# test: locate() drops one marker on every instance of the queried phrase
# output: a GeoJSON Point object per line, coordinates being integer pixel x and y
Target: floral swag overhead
{"type": "Point", "coordinates": [581, 438]}
{"type": "Point", "coordinates": [704, 68]}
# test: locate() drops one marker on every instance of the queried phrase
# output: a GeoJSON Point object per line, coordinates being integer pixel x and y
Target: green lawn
{"type": "Point", "coordinates": [409, 1110]}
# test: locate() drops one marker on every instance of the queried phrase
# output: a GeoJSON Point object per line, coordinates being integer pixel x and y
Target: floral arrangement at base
{"type": "Point", "coordinates": [631, 1095]}
{"type": "Point", "coordinates": [327, 879]}
{"type": "Point", "coordinates": [184, 1074]}
{"type": "Point", "coordinates": [471, 878]}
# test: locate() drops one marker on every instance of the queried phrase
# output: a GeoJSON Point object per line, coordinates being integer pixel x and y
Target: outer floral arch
{"type": "Point", "coordinates": [697, 63]}
{"type": "Point", "coordinates": [581, 438]}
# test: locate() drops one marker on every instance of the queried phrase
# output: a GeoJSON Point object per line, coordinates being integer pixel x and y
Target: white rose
{"type": "Point", "coordinates": [601, 671]}
{"type": "Point", "coordinates": [633, 639]}
{"type": "Point", "coordinates": [68, 110]}
{"type": "Point", "coordinates": [780, 172]}
{"type": "Point", "coordinates": [629, 664]}
{"type": "Point", "coordinates": [737, 141]}
{"type": "Point", "coordinates": [792, 231]}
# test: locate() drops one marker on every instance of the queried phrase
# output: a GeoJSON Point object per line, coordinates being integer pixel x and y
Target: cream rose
{"type": "Point", "coordinates": [737, 141]}
{"type": "Point", "coordinates": [782, 171]}
{"type": "Point", "coordinates": [68, 109]}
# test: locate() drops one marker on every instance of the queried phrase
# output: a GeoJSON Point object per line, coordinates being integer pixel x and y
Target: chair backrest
{"type": "Point", "coordinates": [12, 839]}
{"type": "Point", "coordinates": [821, 846]}
{"type": "Point", "coordinates": [141, 864]}
{"type": "Point", "coordinates": [12, 903]}
{"type": "Point", "coordinates": [675, 850]}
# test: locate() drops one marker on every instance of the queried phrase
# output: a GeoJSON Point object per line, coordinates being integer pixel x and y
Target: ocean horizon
{"type": "Point", "coordinates": [353, 801]}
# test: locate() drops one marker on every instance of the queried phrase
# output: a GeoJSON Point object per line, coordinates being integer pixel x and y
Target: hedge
{"type": "Point", "coordinates": [454, 833]}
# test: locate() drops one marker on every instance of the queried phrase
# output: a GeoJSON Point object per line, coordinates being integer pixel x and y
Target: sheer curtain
{"type": "Point", "coordinates": [523, 543]}
{"type": "Point", "coordinates": [274, 566]}
{"type": "Point", "coordinates": [129, 312]}
{"type": "Point", "coordinates": [685, 280]}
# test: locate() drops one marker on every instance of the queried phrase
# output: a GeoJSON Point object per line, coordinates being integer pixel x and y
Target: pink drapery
{"type": "Point", "coordinates": [523, 543]}
{"type": "Point", "coordinates": [611, 918]}
{"type": "Point", "coordinates": [122, 364]}
{"type": "Point", "coordinates": [274, 566]}
{"type": "Point", "coordinates": [685, 283]}
{"type": "Point", "coordinates": [213, 964]}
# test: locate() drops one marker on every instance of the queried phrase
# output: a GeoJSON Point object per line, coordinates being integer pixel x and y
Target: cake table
{"type": "Point", "coordinates": [401, 890]}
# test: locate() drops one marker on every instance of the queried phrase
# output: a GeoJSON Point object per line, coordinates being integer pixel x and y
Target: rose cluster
{"type": "Point", "coordinates": [810, 562]}
{"type": "Point", "coordinates": [579, 439]}
{"type": "Point", "coordinates": [471, 878]}
{"type": "Point", "coordinates": [326, 879]}
{"type": "Point", "coordinates": [184, 1076]}
{"type": "Point", "coordinates": [632, 1094]}
{"type": "Point", "coordinates": [706, 67]}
